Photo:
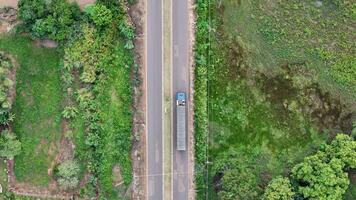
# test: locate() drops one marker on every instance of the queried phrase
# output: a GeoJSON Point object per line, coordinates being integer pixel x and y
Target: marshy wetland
{"type": "Point", "coordinates": [275, 89]}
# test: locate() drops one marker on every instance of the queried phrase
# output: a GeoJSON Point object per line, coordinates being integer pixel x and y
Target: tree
{"type": "Point", "coordinates": [279, 189]}
{"type": "Point", "coordinates": [67, 174]}
{"type": "Point", "coordinates": [343, 147]}
{"type": "Point", "coordinates": [319, 179]}
{"type": "Point", "coordinates": [52, 19]}
{"type": "Point", "coordinates": [9, 145]}
{"type": "Point", "coordinates": [322, 175]}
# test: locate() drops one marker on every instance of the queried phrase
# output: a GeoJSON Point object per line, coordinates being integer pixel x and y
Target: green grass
{"type": "Point", "coordinates": [37, 108]}
{"type": "Point", "coordinates": [280, 32]}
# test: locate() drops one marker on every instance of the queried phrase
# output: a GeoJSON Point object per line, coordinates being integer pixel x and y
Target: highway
{"type": "Point", "coordinates": [154, 99]}
{"type": "Point", "coordinates": [180, 84]}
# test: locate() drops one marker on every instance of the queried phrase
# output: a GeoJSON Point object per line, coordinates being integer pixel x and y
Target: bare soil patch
{"type": "Point", "coordinates": [191, 141]}
{"type": "Point", "coordinates": [12, 76]}
{"type": "Point", "coordinates": [8, 3]}
{"type": "Point", "coordinates": [46, 43]}
{"type": "Point", "coordinates": [83, 3]}
{"type": "Point", "coordinates": [8, 19]}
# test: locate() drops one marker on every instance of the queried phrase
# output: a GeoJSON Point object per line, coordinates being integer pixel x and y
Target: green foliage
{"type": "Point", "coordinates": [53, 19]}
{"type": "Point", "coordinates": [5, 82]}
{"type": "Point", "coordinates": [320, 178]}
{"type": "Point", "coordinates": [343, 147]}
{"type": "Point", "coordinates": [323, 176]}
{"type": "Point", "coordinates": [69, 112]}
{"type": "Point", "coordinates": [200, 94]}
{"type": "Point", "coordinates": [6, 117]}
{"type": "Point", "coordinates": [238, 185]}
{"type": "Point", "coordinates": [30, 11]}
{"type": "Point", "coordinates": [100, 15]}
{"type": "Point", "coordinates": [235, 175]}
{"type": "Point", "coordinates": [279, 189]}
{"type": "Point", "coordinates": [9, 145]}
{"type": "Point", "coordinates": [67, 174]}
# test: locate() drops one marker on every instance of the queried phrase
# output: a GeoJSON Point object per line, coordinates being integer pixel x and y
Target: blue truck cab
{"type": "Point", "coordinates": [180, 97]}
{"type": "Point", "coordinates": [181, 118]}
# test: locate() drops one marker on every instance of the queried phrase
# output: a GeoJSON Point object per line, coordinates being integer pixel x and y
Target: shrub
{"type": "Point", "coordinates": [9, 145]}
{"type": "Point", "coordinates": [31, 10]}
{"type": "Point", "coordinates": [6, 117]}
{"type": "Point", "coordinates": [69, 112]}
{"type": "Point", "coordinates": [100, 15]}
{"type": "Point", "coordinates": [279, 189]}
{"type": "Point", "coordinates": [67, 174]}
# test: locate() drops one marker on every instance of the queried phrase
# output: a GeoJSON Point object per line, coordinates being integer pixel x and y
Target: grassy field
{"type": "Point", "coordinates": [317, 34]}
{"type": "Point", "coordinates": [265, 59]}
{"type": "Point", "coordinates": [37, 108]}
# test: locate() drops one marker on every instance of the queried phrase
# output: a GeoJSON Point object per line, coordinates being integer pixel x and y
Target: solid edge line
{"type": "Point", "coordinates": [172, 106]}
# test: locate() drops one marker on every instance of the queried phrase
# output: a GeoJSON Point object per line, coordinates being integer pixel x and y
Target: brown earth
{"type": "Point", "coordinates": [10, 3]}
{"type": "Point", "coordinates": [137, 13]}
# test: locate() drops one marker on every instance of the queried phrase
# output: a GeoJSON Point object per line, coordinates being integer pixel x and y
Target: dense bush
{"type": "Point", "coordinates": [100, 15]}
{"type": "Point", "coordinates": [5, 84]}
{"type": "Point", "coordinates": [69, 112]}
{"type": "Point", "coordinates": [53, 19]}
{"type": "Point", "coordinates": [279, 189]}
{"type": "Point", "coordinates": [9, 145]}
{"type": "Point", "coordinates": [68, 174]}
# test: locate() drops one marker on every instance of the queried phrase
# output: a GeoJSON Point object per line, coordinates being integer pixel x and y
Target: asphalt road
{"type": "Point", "coordinates": [154, 99]}
{"type": "Point", "coordinates": [180, 84]}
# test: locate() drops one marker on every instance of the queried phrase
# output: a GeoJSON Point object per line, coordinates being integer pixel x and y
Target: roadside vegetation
{"type": "Point", "coordinates": [273, 99]}
{"type": "Point", "coordinates": [73, 104]}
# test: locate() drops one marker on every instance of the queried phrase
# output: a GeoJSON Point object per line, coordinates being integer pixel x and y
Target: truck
{"type": "Point", "coordinates": [181, 119]}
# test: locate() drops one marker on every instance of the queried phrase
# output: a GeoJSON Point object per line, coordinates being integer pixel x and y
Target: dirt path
{"type": "Point", "coordinates": [191, 141]}
{"type": "Point", "coordinates": [139, 125]}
